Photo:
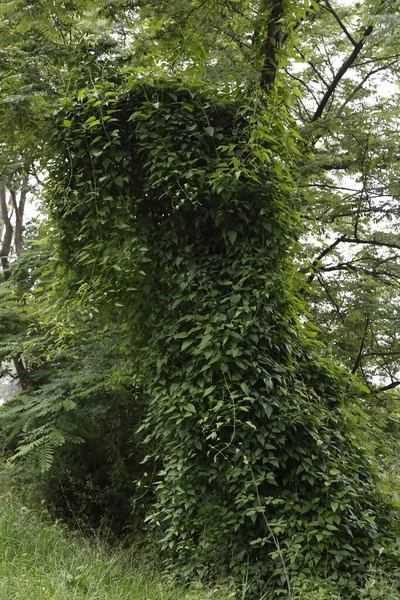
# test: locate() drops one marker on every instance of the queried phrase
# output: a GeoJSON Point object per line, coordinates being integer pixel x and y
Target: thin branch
{"type": "Point", "coordinates": [360, 85]}
{"type": "Point", "coordinates": [331, 298]}
{"type": "Point", "coordinates": [366, 211]}
{"type": "Point", "coordinates": [365, 378]}
{"type": "Point", "coordinates": [375, 59]}
{"type": "Point", "coordinates": [362, 345]}
{"type": "Point", "coordinates": [315, 264]}
{"type": "Point", "coordinates": [306, 113]}
{"type": "Point", "coordinates": [303, 83]}
{"type": "Point", "coordinates": [327, 52]}
{"type": "Point", "coordinates": [342, 26]}
{"type": "Point", "coordinates": [314, 68]}
{"type": "Point", "coordinates": [195, 28]}
{"type": "Point", "coordinates": [342, 71]}
{"type": "Point", "coordinates": [232, 36]}
{"type": "Point", "coordinates": [329, 186]}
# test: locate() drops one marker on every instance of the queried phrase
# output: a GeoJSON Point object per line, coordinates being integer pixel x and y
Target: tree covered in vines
{"type": "Point", "coordinates": [176, 209]}
{"type": "Point", "coordinates": [188, 216]}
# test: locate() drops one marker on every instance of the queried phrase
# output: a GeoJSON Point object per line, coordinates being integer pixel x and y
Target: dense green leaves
{"type": "Point", "coordinates": [175, 210]}
{"type": "Point", "coordinates": [189, 218]}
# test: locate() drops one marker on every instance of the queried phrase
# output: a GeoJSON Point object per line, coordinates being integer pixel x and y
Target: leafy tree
{"type": "Point", "coordinates": [176, 205]}
{"type": "Point", "coordinates": [334, 75]}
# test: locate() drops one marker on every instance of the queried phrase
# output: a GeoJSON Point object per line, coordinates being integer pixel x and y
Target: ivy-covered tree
{"type": "Point", "coordinates": [339, 73]}
{"type": "Point", "coordinates": [176, 206]}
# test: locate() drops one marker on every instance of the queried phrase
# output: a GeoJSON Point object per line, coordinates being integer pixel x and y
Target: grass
{"type": "Point", "coordinates": [41, 561]}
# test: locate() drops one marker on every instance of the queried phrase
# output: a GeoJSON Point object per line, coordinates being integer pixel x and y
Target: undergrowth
{"type": "Point", "coordinates": [40, 560]}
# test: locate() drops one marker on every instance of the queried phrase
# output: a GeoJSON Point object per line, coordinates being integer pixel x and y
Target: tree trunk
{"type": "Point", "coordinates": [8, 233]}
{"type": "Point", "coordinates": [19, 208]}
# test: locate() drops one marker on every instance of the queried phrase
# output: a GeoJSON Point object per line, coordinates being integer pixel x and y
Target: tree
{"type": "Point", "coordinates": [339, 59]}
{"type": "Point", "coordinates": [176, 207]}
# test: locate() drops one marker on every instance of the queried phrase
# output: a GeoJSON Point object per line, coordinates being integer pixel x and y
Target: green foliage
{"type": "Point", "coordinates": [186, 212]}
{"type": "Point", "coordinates": [76, 420]}
{"type": "Point", "coordinates": [40, 560]}
{"type": "Point", "coordinates": [174, 217]}
{"type": "Point", "coordinates": [80, 404]}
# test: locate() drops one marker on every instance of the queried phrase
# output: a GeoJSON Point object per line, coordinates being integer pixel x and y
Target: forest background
{"type": "Point", "coordinates": [212, 288]}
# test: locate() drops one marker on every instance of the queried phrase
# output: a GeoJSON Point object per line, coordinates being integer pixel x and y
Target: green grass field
{"type": "Point", "coordinates": [41, 561]}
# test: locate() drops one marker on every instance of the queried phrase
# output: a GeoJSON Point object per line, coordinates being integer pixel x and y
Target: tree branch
{"type": "Point", "coordinates": [362, 344]}
{"type": "Point", "coordinates": [339, 166]}
{"type": "Point", "coordinates": [360, 85]}
{"type": "Point", "coordinates": [330, 187]}
{"type": "Point", "coordinates": [19, 208]}
{"type": "Point", "coordinates": [329, 8]}
{"type": "Point", "coordinates": [349, 266]}
{"type": "Point", "coordinates": [376, 59]}
{"type": "Point", "coordinates": [303, 83]}
{"type": "Point", "coordinates": [373, 242]}
{"type": "Point", "coordinates": [391, 386]}
{"type": "Point", "coordinates": [342, 71]}
{"type": "Point", "coordinates": [331, 299]}
{"type": "Point", "coordinates": [314, 68]}
{"type": "Point", "coordinates": [318, 259]}
{"type": "Point", "coordinates": [382, 354]}
{"type": "Point", "coordinates": [8, 233]}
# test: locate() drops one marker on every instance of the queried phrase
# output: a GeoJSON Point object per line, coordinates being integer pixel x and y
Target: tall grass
{"type": "Point", "coordinates": [41, 561]}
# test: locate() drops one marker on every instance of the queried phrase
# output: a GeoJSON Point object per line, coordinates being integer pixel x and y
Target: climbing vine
{"type": "Point", "coordinates": [175, 205]}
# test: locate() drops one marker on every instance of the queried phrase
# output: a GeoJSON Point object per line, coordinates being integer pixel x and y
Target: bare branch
{"type": "Point", "coordinates": [362, 345]}
{"type": "Point", "coordinates": [342, 71]}
{"type": "Point", "coordinates": [329, 8]}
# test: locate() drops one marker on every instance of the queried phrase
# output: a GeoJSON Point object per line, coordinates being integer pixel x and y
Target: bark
{"type": "Point", "coordinates": [272, 46]}
{"type": "Point", "coordinates": [19, 209]}
{"type": "Point", "coordinates": [22, 374]}
{"type": "Point", "coordinates": [8, 234]}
